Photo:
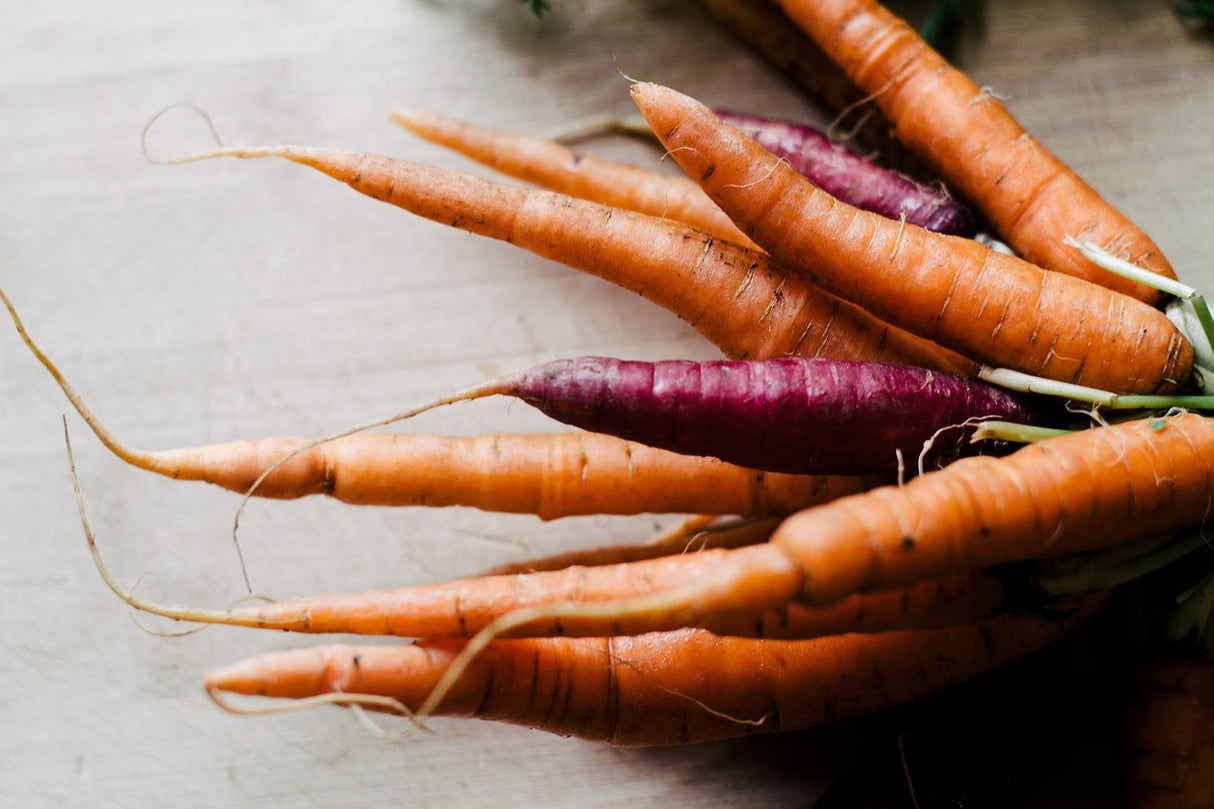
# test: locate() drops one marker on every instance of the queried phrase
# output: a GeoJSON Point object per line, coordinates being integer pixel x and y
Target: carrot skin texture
{"type": "Point", "coordinates": [560, 168]}
{"type": "Point", "coordinates": [1096, 488]}
{"type": "Point", "coordinates": [792, 415]}
{"type": "Point", "coordinates": [764, 26]}
{"type": "Point", "coordinates": [551, 475]}
{"type": "Point", "coordinates": [993, 307]}
{"type": "Point", "coordinates": [697, 533]}
{"type": "Point", "coordinates": [459, 608]}
{"type": "Point", "coordinates": [682, 687]}
{"type": "Point", "coordinates": [854, 179]}
{"type": "Point", "coordinates": [969, 138]}
{"type": "Point", "coordinates": [737, 298]}
{"type": "Point", "coordinates": [463, 607]}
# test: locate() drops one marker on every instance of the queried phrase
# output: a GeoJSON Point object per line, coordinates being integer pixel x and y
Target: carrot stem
{"type": "Point", "coordinates": [1015, 433]}
{"type": "Point", "coordinates": [1119, 266]}
{"type": "Point", "coordinates": [1106, 569]}
{"type": "Point", "coordinates": [1183, 293]}
{"type": "Point", "coordinates": [1028, 383]}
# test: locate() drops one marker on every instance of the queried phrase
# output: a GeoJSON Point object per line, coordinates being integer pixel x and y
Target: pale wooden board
{"type": "Point", "coordinates": [228, 300]}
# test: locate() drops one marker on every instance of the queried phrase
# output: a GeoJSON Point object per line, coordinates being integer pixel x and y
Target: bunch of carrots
{"type": "Point", "coordinates": [891, 493]}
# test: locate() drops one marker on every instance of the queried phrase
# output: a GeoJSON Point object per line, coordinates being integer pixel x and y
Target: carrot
{"type": "Point", "coordinates": [965, 135]}
{"type": "Point", "coordinates": [851, 177]}
{"type": "Point", "coordinates": [1169, 729]}
{"type": "Point", "coordinates": [667, 688]}
{"type": "Point", "coordinates": [991, 306]}
{"type": "Point", "coordinates": [764, 26]}
{"type": "Point", "coordinates": [737, 298]}
{"type": "Point", "coordinates": [550, 475]}
{"type": "Point", "coordinates": [463, 607]}
{"type": "Point", "coordinates": [1097, 488]}
{"type": "Point", "coordinates": [558, 167]}
{"type": "Point", "coordinates": [788, 414]}
{"type": "Point", "coordinates": [855, 179]}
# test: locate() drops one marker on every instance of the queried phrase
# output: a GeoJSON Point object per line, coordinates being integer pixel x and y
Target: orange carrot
{"type": "Point", "coordinates": [764, 26]}
{"type": "Point", "coordinates": [993, 307]}
{"type": "Point", "coordinates": [547, 474]}
{"type": "Point", "coordinates": [550, 475]}
{"type": "Point", "coordinates": [965, 135]}
{"type": "Point", "coordinates": [853, 178]}
{"type": "Point", "coordinates": [737, 298]}
{"type": "Point", "coordinates": [465, 607]}
{"type": "Point", "coordinates": [557, 167]}
{"type": "Point", "coordinates": [1096, 488]}
{"type": "Point", "coordinates": [666, 688]}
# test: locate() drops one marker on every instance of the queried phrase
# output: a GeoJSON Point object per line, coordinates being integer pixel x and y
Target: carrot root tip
{"type": "Point", "coordinates": [357, 703]}
{"type": "Point", "coordinates": [159, 116]}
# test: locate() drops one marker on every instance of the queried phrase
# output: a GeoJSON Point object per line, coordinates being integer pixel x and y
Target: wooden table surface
{"type": "Point", "coordinates": [233, 299]}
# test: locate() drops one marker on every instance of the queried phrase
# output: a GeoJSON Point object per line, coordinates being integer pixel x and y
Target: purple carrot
{"type": "Point", "coordinates": [791, 414]}
{"type": "Point", "coordinates": [855, 179]}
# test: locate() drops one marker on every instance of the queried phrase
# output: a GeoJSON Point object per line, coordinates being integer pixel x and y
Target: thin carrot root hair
{"type": "Point", "coordinates": [147, 128]}
{"type": "Point", "coordinates": [676, 602]}
{"type": "Point", "coordinates": [137, 458]}
{"type": "Point", "coordinates": [162, 633]}
{"type": "Point", "coordinates": [355, 702]}
{"type": "Point", "coordinates": [344, 476]}
{"type": "Point", "coordinates": [694, 534]}
{"type": "Point", "coordinates": [607, 688]}
{"type": "Point", "coordinates": [492, 387]}
{"type": "Point", "coordinates": [893, 251]}
{"type": "Point", "coordinates": [832, 129]}
{"type": "Point", "coordinates": [753, 183]}
{"type": "Point", "coordinates": [128, 454]}
{"type": "Point", "coordinates": [633, 664]}
{"type": "Point", "coordinates": [675, 607]}
{"type": "Point", "coordinates": [654, 646]}
{"type": "Point", "coordinates": [254, 151]}
{"type": "Point", "coordinates": [669, 153]}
